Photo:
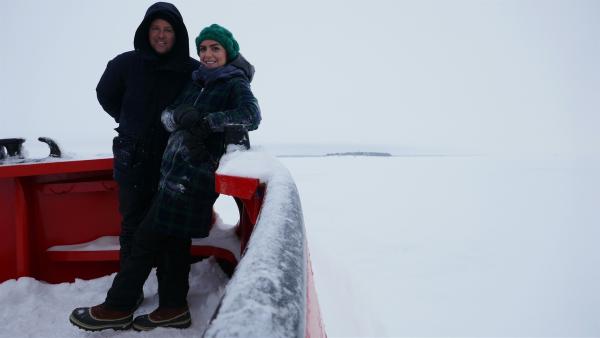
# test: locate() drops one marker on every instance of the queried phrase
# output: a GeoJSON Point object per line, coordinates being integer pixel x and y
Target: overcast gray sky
{"type": "Point", "coordinates": [470, 75]}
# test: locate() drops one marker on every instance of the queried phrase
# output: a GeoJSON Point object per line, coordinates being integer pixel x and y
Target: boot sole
{"type": "Point", "coordinates": [175, 325]}
{"type": "Point", "coordinates": [83, 326]}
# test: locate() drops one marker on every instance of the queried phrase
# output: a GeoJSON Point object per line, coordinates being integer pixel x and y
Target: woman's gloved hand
{"type": "Point", "coordinates": [184, 116]}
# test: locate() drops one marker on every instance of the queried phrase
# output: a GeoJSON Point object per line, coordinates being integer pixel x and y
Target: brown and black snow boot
{"type": "Point", "coordinates": [100, 317]}
{"type": "Point", "coordinates": [178, 318]}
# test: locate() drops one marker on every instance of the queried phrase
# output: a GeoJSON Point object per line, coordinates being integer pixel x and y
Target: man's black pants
{"type": "Point", "coordinates": [134, 203]}
{"type": "Point", "coordinates": [172, 255]}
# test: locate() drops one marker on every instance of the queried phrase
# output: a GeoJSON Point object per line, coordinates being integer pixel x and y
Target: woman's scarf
{"type": "Point", "coordinates": [205, 76]}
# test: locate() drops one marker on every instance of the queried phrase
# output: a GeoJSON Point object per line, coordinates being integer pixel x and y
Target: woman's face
{"type": "Point", "coordinates": [212, 54]}
{"type": "Point", "coordinates": [161, 36]}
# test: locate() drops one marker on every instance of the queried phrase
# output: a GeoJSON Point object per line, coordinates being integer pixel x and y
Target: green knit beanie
{"type": "Point", "coordinates": [222, 36]}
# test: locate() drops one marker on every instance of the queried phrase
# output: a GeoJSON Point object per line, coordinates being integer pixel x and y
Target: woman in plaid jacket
{"type": "Point", "coordinates": [219, 94]}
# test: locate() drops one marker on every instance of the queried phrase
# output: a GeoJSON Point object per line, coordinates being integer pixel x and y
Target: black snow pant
{"type": "Point", "coordinates": [134, 203]}
{"type": "Point", "coordinates": [173, 256]}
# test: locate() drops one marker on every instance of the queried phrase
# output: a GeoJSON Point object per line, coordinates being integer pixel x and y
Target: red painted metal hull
{"type": "Point", "coordinates": [56, 203]}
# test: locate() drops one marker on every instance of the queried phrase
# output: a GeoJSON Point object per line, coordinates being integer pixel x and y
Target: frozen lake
{"type": "Point", "coordinates": [454, 246]}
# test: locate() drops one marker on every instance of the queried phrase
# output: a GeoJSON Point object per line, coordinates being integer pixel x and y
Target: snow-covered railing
{"type": "Point", "coordinates": [271, 293]}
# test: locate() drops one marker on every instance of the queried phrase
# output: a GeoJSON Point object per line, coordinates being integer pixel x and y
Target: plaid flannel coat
{"type": "Point", "coordinates": [186, 193]}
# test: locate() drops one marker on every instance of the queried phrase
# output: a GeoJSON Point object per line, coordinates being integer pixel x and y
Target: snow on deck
{"type": "Point", "coordinates": [39, 309]}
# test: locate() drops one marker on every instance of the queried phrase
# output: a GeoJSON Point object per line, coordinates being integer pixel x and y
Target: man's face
{"type": "Point", "coordinates": [161, 36]}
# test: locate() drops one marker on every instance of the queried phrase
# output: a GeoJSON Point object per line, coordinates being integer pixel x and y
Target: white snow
{"type": "Point", "coordinates": [37, 309]}
{"type": "Point", "coordinates": [104, 243]}
{"type": "Point", "coordinates": [222, 235]}
{"type": "Point", "coordinates": [254, 163]}
{"type": "Point", "coordinates": [454, 246]}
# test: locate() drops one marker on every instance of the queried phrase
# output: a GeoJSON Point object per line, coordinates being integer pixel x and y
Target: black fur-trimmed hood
{"type": "Point", "coordinates": [168, 12]}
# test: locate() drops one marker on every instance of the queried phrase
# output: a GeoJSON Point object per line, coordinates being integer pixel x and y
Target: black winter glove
{"type": "Point", "coordinates": [186, 116]}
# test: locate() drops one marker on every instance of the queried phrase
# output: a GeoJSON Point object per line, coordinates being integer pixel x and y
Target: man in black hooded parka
{"type": "Point", "coordinates": [134, 89]}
